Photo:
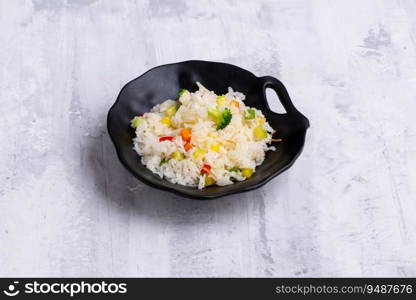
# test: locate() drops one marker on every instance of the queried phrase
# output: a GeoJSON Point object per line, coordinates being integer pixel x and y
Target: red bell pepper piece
{"type": "Point", "coordinates": [205, 169]}
{"type": "Point", "coordinates": [166, 138]}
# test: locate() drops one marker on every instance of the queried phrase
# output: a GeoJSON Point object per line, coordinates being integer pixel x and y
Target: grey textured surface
{"type": "Point", "coordinates": [346, 208]}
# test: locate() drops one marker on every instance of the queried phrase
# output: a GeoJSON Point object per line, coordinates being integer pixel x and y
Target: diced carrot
{"type": "Point", "coordinates": [236, 103]}
{"type": "Point", "coordinates": [186, 134]}
{"type": "Point", "coordinates": [187, 147]}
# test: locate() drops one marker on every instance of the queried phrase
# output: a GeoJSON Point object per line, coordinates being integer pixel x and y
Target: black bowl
{"type": "Point", "coordinates": [163, 82]}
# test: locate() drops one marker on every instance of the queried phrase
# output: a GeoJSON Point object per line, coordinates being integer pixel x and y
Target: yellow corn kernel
{"type": "Point", "coordinates": [178, 156]}
{"type": "Point", "coordinates": [209, 181]}
{"type": "Point", "coordinates": [171, 111]}
{"type": "Point", "coordinates": [166, 121]}
{"type": "Point", "coordinates": [221, 100]}
{"type": "Point", "coordinates": [215, 147]}
{"type": "Point", "coordinates": [199, 153]}
{"type": "Point", "coordinates": [261, 120]}
{"type": "Point", "coordinates": [259, 133]}
{"type": "Point", "coordinates": [247, 172]}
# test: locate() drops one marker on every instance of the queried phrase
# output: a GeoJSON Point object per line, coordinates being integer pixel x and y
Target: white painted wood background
{"type": "Point", "coordinates": [346, 208]}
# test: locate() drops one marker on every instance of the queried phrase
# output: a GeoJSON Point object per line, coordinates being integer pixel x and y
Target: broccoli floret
{"type": "Point", "coordinates": [221, 117]}
{"type": "Point", "coordinates": [225, 119]}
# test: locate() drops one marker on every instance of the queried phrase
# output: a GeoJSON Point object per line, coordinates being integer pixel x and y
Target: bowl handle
{"type": "Point", "coordinates": [279, 88]}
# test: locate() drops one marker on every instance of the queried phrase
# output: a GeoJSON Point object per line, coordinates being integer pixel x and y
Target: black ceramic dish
{"type": "Point", "coordinates": [163, 82]}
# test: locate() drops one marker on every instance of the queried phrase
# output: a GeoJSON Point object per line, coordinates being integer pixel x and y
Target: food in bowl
{"type": "Point", "coordinates": [203, 139]}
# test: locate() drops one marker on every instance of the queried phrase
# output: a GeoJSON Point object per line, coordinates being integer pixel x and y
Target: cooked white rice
{"type": "Point", "coordinates": [230, 152]}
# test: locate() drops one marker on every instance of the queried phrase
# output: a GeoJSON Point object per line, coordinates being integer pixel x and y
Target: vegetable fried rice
{"type": "Point", "coordinates": [203, 139]}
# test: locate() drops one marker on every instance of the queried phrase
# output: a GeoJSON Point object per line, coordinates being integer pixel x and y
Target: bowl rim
{"type": "Point", "coordinates": [185, 193]}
